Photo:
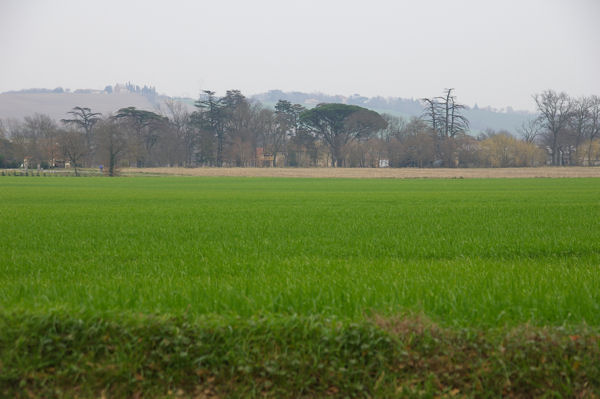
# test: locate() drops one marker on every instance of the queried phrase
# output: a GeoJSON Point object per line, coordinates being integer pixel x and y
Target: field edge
{"type": "Point", "coordinates": [60, 354]}
{"type": "Point", "coordinates": [372, 173]}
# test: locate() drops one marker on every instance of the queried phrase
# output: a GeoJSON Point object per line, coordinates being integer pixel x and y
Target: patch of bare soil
{"type": "Point", "coordinates": [371, 173]}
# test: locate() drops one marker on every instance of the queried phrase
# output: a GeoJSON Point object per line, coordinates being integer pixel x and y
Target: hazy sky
{"type": "Point", "coordinates": [493, 52]}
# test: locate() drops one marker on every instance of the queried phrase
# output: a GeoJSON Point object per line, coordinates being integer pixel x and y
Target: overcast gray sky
{"type": "Point", "coordinates": [492, 52]}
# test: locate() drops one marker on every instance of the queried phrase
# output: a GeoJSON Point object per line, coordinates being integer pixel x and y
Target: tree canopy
{"type": "Point", "coordinates": [233, 130]}
{"type": "Point", "coordinates": [340, 124]}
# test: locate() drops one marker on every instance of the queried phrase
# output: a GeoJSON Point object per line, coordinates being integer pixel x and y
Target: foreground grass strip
{"type": "Point", "coordinates": [58, 354]}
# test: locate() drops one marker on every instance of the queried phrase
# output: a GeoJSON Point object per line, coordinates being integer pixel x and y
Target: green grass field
{"type": "Point", "coordinates": [464, 252]}
{"type": "Point", "coordinates": [469, 255]}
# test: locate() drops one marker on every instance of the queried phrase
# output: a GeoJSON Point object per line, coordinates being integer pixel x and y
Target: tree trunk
{"type": "Point", "coordinates": [555, 155]}
{"type": "Point", "coordinates": [111, 164]}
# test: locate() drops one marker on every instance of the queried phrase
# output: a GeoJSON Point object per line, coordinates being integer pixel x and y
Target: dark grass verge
{"type": "Point", "coordinates": [60, 355]}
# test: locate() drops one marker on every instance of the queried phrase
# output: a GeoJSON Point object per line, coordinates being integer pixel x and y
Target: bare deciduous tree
{"type": "Point", "coordinates": [579, 125]}
{"type": "Point", "coordinates": [39, 138]}
{"type": "Point", "coordinates": [73, 146]}
{"type": "Point", "coordinates": [444, 115]}
{"type": "Point", "coordinates": [529, 130]}
{"type": "Point", "coordinates": [594, 126]}
{"type": "Point", "coordinates": [112, 144]}
{"type": "Point", "coordinates": [181, 121]}
{"type": "Point", "coordinates": [555, 112]}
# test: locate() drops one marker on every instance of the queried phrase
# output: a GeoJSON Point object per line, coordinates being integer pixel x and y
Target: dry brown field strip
{"type": "Point", "coordinates": [372, 173]}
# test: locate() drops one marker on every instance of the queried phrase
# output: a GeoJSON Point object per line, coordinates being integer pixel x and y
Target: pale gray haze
{"type": "Point", "coordinates": [494, 53]}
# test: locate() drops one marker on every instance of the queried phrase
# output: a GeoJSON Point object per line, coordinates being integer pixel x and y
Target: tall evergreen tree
{"type": "Point", "coordinates": [211, 117]}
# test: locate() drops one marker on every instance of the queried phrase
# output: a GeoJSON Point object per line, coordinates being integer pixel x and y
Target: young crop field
{"type": "Point", "coordinates": [277, 264]}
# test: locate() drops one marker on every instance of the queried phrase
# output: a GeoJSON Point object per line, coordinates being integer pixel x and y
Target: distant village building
{"type": "Point", "coordinates": [264, 159]}
{"type": "Point", "coordinates": [59, 163]}
{"type": "Point", "coordinates": [27, 163]}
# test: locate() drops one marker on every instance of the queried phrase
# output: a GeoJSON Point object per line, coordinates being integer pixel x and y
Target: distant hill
{"type": "Point", "coordinates": [16, 105]}
{"type": "Point", "coordinates": [57, 102]}
{"type": "Point", "coordinates": [480, 118]}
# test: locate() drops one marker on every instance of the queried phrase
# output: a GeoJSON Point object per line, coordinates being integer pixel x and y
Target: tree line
{"type": "Point", "coordinates": [235, 131]}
